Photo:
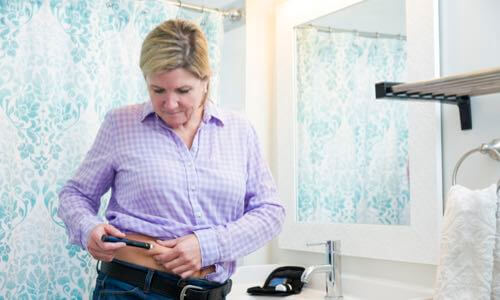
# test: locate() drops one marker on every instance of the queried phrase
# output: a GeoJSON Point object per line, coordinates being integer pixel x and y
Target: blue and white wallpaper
{"type": "Point", "coordinates": [63, 65]}
{"type": "Point", "coordinates": [352, 150]}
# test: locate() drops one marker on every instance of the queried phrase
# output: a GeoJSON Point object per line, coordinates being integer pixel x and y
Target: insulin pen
{"type": "Point", "coordinates": [114, 239]}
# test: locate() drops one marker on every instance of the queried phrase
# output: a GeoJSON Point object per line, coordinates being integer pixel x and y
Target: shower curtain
{"type": "Point", "coordinates": [352, 150]}
{"type": "Point", "coordinates": [63, 65]}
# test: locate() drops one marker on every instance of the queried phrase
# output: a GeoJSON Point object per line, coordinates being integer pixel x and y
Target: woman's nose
{"type": "Point", "coordinates": [170, 102]}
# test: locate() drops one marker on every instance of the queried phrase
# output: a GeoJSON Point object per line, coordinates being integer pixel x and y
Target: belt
{"type": "Point", "coordinates": [180, 289]}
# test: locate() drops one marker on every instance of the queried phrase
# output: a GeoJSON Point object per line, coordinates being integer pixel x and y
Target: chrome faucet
{"type": "Point", "coordinates": [331, 268]}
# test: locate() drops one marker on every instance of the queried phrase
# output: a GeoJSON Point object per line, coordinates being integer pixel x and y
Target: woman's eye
{"type": "Point", "coordinates": [183, 91]}
{"type": "Point", "coordinates": [158, 91]}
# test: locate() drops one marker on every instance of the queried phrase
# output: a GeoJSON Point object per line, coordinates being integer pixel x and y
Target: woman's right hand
{"type": "Point", "coordinates": [101, 250]}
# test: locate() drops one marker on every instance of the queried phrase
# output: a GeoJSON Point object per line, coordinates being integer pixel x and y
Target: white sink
{"type": "Point", "coordinates": [239, 293]}
{"type": "Point", "coordinates": [354, 288]}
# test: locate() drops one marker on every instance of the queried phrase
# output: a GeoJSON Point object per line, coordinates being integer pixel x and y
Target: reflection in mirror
{"type": "Point", "coordinates": [352, 151]}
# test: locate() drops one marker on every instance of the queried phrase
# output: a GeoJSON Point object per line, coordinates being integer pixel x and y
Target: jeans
{"type": "Point", "coordinates": [109, 288]}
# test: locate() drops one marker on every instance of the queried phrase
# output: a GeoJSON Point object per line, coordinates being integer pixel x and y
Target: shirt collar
{"type": "Point", "coordinates": [210, 112]}
{"type": "Point", "coordinates": [147, 110]}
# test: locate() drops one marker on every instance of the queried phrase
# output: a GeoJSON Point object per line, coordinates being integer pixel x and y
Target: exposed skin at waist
{"type": "Point", "coordinates": [144, 257]}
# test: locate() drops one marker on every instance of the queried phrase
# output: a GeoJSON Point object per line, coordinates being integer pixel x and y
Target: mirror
{"type": "Point", "coordinates": [363, 171]}
{"type": "Point", "coordinates": [339, 58]}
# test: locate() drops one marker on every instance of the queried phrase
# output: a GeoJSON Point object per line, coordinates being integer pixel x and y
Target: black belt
{"type": "Point", "coordinates": [167, 287]}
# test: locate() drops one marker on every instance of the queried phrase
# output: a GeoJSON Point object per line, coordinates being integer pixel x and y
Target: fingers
{"type": "Point", "coordinates": [172, 263]}
{"type": "Point", "coordinates": [104, 256]}
{"type": "Point", "coordinates": [165, 257]}
{"type": "Point", "coordinates": [186, 274]}
{"type": "Point", "coordinates": [111, 230]}
{"type": "Point", "coordinates": [110, 247]}
{"type": "Point", "coordinates": [106, 252]}
{"type": "Point", "coordinates": [98, 253]}
{"type": "Point", "coordinates": [165, 252]}
{"type": "Point", "coordinates": [183, 258]}
{"type": "Point", "coordinates": [168, 243]}
{"type": "Point", "coordinates": [185, 270]}
{"type": "Point", "coordinates": [182, 268]}
{"type": "Point", "coordinates": [101, 250]}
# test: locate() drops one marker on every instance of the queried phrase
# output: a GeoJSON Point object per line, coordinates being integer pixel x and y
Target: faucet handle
{"type": "Point", "coordinates": [315, 244]}
{"type": "Point", "coordinates": [331, 247]}
{"type": "Point", "coordinates": [335, 244]}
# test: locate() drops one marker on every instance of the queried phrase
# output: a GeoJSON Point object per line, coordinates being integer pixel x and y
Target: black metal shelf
{"type": "Point", "coordinates": [384, 90]}
{"type": "Point", "coordinates": [456, 89]}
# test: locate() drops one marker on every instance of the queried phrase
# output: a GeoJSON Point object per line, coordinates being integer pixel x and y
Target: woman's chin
{"type": "Point", "coordinates": [174, 125]}
{"type": "Point", "coordinates": [174, 122]}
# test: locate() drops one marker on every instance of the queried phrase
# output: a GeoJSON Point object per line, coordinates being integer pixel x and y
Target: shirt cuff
{"type": "Point", "coordinates": [208, 246]}
{"type": "Point", "coordinates": [86, 226]}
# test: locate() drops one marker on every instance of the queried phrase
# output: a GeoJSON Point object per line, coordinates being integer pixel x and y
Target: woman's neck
{"type": "Point", "coordinates": [188, 130]}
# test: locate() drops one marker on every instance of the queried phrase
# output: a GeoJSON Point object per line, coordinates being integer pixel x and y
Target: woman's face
{"type": "Point", "coordinates": [177, 96]}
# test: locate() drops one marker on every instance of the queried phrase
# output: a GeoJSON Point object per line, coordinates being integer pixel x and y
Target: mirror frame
{"type": "Point", "coordinates": [417, 242]}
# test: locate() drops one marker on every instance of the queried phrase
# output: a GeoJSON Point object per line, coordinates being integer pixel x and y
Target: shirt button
{"type": "Point", "coordinates": [193, 188]}
{"type": "Point", "coordinates": [198, 214]}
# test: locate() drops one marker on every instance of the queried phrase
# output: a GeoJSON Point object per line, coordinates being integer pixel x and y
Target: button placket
{"type": "Point", "coordinates": [191, 177]}
{"type": "Point", "coordinates": [191, 174]}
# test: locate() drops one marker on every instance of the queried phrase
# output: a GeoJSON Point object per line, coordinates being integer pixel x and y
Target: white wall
{"type": "Point", "coordinates": [382, 16]}
{"type": "Point", "coordinates": [470, 32]}
{"type": "Point", "coordinates": [232, 73]}
{"type": "Point", "coordinates": [259, 85]}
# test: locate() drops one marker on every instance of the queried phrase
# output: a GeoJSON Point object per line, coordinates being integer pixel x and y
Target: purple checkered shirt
{"type": "Point", "coordinates": [221, 189]}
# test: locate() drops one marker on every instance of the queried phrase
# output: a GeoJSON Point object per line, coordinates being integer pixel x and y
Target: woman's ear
{"type": "Point", "coordinates": [205, 85]}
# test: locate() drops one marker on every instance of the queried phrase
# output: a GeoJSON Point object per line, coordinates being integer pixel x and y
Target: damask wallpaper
{"type": "Point", "coordinates": [63, 65]}
{"type": "Point", "coordinates": [352, 150]}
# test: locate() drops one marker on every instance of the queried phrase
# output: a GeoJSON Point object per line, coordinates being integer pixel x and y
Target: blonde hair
{"type": "Point", "coordinates": [176, 44]}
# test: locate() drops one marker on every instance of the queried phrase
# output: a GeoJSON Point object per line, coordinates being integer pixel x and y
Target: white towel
{"type": "Point", "coordinates": [465, 268]}
{"type": "Point", "coordinates": [495, 285]}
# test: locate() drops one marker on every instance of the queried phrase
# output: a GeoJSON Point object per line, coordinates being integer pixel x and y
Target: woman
{"type": "Point", "coordinates": [186, 177]}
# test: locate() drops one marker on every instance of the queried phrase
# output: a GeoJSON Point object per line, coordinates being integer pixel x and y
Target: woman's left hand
{"type": "Point", "coordinates": [185, 257]}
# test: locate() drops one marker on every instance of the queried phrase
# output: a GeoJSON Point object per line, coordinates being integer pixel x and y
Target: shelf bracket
{"type": "Point", "coordinates": [384, 90]}
{"type": "Point", "coordinates": [463, 104]}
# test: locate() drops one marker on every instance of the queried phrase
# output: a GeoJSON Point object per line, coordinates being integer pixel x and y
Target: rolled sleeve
{"type": "Point", "coordinates": [86, 227]}
{"type": "Point", "coordinates": [262, 219]}
{"type": "Point", "coordinates": [80, 197]}
{"type": "Point", "coordinates": [209, 246]}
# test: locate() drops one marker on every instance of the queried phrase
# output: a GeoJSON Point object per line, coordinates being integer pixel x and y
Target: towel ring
{"type": "Point", "coordinates": [492, 149]}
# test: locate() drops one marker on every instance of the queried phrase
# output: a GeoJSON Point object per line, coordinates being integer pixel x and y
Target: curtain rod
{"type": "Point", "coordinates": [233, 14]}
{"type": "Point", "coordinates": [357, 32]}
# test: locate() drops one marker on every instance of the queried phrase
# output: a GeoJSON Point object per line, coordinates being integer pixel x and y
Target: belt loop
{"type": "Point", "coordinates": [181, 282]}
{"type": "Point", "coordinates": [100, 283]}
{"type": "Point", "coordinates": [147, 282]}
{"type": "Point", "coordinates": [228, 285]}
{"type": "Point", "coordinates": [97, 266]}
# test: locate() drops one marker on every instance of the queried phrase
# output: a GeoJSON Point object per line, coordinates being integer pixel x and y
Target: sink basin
{"type": "Point", "coordinates": [247, 276]}
{"type": "Point", "coordinates": [355, 288]}
{"type": "Point", "coordinates": [239, 293]}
